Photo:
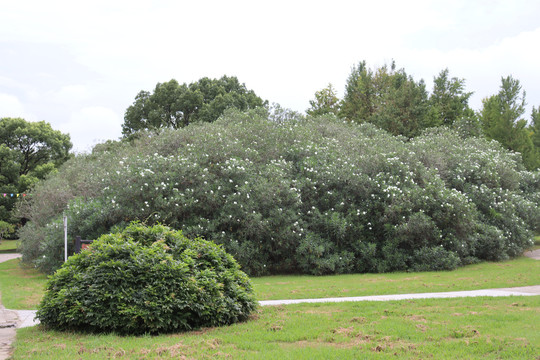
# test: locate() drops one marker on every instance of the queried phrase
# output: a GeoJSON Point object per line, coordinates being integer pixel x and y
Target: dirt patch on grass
{"type": "Point", "coordinates": [349, 331]}
{"type": "Point", "coordinates": [417, 318]}
{"type": "Point", "coordinates": [319, 311]}
{"type": "Point", "coordinates": [175, 351]}
{"type": "Point", "coordinates": [359, 319]}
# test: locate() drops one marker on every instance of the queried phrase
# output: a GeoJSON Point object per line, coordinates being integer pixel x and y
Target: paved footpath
{"type": "Point", "coordinates": [517, 291]}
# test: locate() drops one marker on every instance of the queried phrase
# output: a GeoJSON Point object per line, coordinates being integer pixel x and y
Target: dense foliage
{"type": "Point", "coordinates": [315, 195]}
{"type": "Point", "coordinates": [392, 100]}
{"type": "Point", "coordinates": [388, 98]}
{"type": "Point", "coordinates": [173, 105]}
{"type": "Point", "coordinates": [147, 280]}
{"type": "Point", "coordinates": [502, 120]}
{"type": "Point", "coordinates": [29, 151]}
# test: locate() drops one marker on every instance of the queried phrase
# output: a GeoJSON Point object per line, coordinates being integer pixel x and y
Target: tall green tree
{"type": "Point", "coordinates": [535, 127]}
{"type": "Point", "coordinates": [449, 100]}
{"type": "Point", "coordinates": [388, 98]}
{"type": "Point", "coordinates": [29, 151]}
{"type": "Point", "coordinates": [359, 100]}
{"type": "Point", "coordinates": [534, 133]}
{"type": "Point", "coordinates": [175, 105]}
{"type": "Point", "coordinates": [502, 120]}
{"type": "Point", "coordinates": [325, 102]}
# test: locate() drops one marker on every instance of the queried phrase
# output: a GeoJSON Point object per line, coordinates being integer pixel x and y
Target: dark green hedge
{"type": "Point", "coordinates": [147, 280]}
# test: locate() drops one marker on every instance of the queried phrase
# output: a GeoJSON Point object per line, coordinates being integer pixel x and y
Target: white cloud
{"type": "Point", "coordinates": [11, 106]}
{"type": "Point", "coordinates": [482, 68]}
{"type": "Point", "coordinates": [92, 125]}
{"type": "Point", "coordinates": [71, 94]}
{"type": "Point", "coordinates": [65, 60]}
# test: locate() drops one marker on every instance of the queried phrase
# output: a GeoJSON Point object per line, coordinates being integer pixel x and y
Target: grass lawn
{"type": "Point", "coordinates": [518, 272]}
{"type": "Point", "coordinates": [8, 246]}
{"type": "Point", "coordinates": [467, 328]}
{"type": "Point", "coordinates": [23, 288]}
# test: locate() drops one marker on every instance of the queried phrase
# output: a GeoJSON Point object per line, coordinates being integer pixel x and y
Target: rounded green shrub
{"type": "Point", "coordinates": [147, 280]}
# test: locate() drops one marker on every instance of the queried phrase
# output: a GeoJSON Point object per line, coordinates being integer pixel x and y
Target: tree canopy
{"type": "Point", "coordinates": [502, 120]}
{"type": "Point", "coordinates": [388, 98]}
{"type": "Point", "coordinates": [392, 100]}
{"type": "Point", "coordinates": [325, 102]}
{"type": "Point", "coordinates": [174, 105]}
{"type": "Point", "coordinates": [449, 100]}
{"type": "Point", "coordinates": [28, 152]}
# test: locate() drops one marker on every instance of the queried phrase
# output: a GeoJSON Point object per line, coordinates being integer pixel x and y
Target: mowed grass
{"type": "Point", "coordinates": [23, 288]}
{"type": "Point", "coordinates": [518, 272]}
{"type": "Point", "coordinates": [8, 246]}
{"type": "Point", "coordinates": [466, 328]}
{"type": "Point", "coordinates": [20, 287]}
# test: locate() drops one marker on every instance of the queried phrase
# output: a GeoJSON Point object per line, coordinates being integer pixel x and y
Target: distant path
{"type": "Point", "coordinates": [517, 291]}
{"type": "Point", "coordinates": [534, 254]}
{"type": "Point", "coordinates": [11, 256]}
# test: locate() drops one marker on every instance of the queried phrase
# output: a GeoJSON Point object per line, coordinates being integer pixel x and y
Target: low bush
{"type": "Point", "coordinates": [284, 194]}
{"type": "Point", "coordinates": [147, 280]}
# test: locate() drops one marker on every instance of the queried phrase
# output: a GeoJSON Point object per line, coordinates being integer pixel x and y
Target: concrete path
{"type": "Point", "coordinates": [517, 291]}
{"type": "Point", "coordinates": [6, 257]}
{"type": "Point", "coordinates": [27, 316]}
{"type": "Point", "coordinates": [534, 254]}
{"type": "Point", "coordinates": [8, 323]}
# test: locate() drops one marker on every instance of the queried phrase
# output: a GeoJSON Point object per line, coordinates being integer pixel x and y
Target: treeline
{"type": "Point", "coordinates": [386, 96]}
{"type": "Point", "coordinates": [392, 100]}
{"type": "Point", "coordinates": [29, 152]}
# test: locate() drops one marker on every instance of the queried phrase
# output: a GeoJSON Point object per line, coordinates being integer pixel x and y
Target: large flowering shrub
{"type": "Point", "coordinates": [299, 195]}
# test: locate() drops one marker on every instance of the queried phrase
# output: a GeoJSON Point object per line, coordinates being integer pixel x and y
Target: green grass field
{"type": "Point", "coordinates": [518, 272]}
{"type": "Point", "coordinates": [22, 288]}
{"type": "Point", "coordinates": [467, 328]}
{"type": "Point", "coordinates": [8, 246]}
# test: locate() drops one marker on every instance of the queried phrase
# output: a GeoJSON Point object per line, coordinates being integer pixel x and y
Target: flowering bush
{"type": "Point", "coordinates": [301, 195]}
{"type": "Point", "coordinates": [147, 280]}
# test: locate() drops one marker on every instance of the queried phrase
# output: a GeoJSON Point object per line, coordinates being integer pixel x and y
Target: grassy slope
{"type": "Point", "coordinates": [490, 328]}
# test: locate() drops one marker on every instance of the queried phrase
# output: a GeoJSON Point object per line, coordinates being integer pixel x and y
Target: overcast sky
{"type": "Point", "coordinates": [79, 65]}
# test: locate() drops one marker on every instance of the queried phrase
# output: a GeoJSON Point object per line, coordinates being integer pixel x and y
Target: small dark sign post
{"type": "Point", "coordinates": [81, 244]}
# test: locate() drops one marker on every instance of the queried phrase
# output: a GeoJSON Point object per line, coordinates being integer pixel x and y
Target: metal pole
{"type": "Point", "coordinates": [65, 239]}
